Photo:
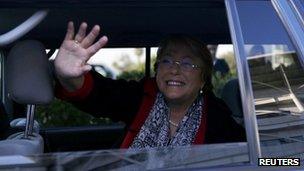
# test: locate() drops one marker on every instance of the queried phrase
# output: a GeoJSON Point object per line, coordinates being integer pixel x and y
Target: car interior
{"type": "Point", "coordinates": [264, 90]}
{"type": "Point", "coordinates": [130, 24]}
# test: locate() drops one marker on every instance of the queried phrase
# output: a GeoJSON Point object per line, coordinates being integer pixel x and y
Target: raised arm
{"type": "Point", "coordinates": [116, 99]}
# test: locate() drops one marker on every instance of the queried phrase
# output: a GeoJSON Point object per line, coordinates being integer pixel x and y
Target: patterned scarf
{"type": "Point", "coordinates": [155, 132]}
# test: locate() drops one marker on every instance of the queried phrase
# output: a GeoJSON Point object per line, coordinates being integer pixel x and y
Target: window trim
{"type": "Point", "coordinates": [148, 61]}
{"type": "Point", "coordinates": [244, 82]}
{"type": "Point", "coordinates": [298, 8]}
{"type": "Point", "coordinates": [7, 103]}
{"type": "Point", "coordinates": [291, 23]}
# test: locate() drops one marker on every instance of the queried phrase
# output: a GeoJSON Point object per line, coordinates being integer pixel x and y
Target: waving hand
{"type": "Point", "coordinates": [75, 51]}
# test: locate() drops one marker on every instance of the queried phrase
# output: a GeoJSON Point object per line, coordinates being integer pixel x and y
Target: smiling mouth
{"type": "Point", "coordinates": [175, 83]}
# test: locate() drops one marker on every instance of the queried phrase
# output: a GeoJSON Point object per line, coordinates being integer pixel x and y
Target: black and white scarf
{"type": "Point", "coordinates": [155, 132]}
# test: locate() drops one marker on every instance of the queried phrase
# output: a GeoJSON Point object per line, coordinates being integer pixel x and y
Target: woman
{"type": "Point", "coordinates": [176, 108]}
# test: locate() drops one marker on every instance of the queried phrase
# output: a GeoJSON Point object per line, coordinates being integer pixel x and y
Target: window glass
{"type": "Point", "coordinates": [182, 158]}
{"type": "Point", "coordinates": [277, 79]}
{"type": "Point", "coordinates": [299, 8]}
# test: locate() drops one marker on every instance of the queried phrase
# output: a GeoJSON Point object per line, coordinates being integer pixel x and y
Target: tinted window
{"type": "Point", "coordinates": [277, 78]}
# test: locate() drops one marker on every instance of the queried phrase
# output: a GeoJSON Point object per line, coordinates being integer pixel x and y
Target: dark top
{"type": "Point", "coordinates": [120, 101]}
{"type": "Point", "coordinates": [220, 65]}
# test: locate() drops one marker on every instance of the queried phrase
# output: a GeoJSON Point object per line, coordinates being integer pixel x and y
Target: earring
{"type": "Point", "coordinates": [201, 90]}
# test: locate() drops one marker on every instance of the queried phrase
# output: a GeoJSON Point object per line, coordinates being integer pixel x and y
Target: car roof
{"type": "Point", "coordinates": [127, 23]}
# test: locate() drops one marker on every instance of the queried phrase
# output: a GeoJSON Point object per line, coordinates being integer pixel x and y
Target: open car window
{"type": "Point", "coordinates": [272, 117]}
{"type": "Point", "coordinates": [60, 137]}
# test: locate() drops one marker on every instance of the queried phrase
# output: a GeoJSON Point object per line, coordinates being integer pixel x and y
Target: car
{"type": "Point", "coordinates": [266, 93]}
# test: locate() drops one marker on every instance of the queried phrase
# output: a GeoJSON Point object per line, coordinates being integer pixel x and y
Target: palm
{"type": "Point", "coordinates": [71, 60]}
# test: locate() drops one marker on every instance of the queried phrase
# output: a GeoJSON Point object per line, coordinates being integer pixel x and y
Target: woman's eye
{"type": "Point", "coordinates": [166, 61]}
{"type": "Point", "coordinates": [187, 64]}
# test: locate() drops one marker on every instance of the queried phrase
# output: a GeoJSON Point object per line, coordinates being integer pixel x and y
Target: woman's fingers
{"type": "Point", "coordinates": [81, 32]}
{"type": "Point", "coordinates": [86, 68]}
{"type": "Point", "coordinates": [90, 38]}
{"type": "Point", "coordinates": [96, 46]}
{"type": "Point", "coordinates": [70, 31]}
{"type": "Point", "coordinates": [82, 45]}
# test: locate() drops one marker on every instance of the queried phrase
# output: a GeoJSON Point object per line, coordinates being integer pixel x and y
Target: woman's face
{"type": "Point", "coordinates": [179, 83]}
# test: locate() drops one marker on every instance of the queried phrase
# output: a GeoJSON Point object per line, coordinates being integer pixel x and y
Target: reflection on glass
{"type": "Point", "coordinates": [277, 80]}
{"type": "Point", "coordinates": [278, 88]}
{"type": "Point", "coordinates": [161, 158]}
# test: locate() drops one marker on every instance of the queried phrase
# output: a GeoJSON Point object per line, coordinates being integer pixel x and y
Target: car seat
{"type": "Point", "coordinates": [231, 96]}
{"type": "Point", "coordinates": [29, 82]}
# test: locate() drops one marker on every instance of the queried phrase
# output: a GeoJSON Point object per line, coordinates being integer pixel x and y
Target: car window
{"type": "Point", "coordinates": [60, 114]}
{"type": "Point", "coordinates": [277, 79]}
{"type": "Point", "coordinates": [129, 63]}
{"type": "Point", "coordinates": [298, 7]}
{"type": "Point", "coordinates": [276, 76]}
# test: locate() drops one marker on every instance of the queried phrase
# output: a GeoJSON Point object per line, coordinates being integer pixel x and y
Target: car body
{"type": "Point", "coordinates": [270, 88]}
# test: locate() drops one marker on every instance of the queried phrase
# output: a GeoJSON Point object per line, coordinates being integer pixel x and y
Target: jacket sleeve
{"type": "Point", "coordinates": [105, 97]}
{"type": "Point", "coordinates": [221, 127]}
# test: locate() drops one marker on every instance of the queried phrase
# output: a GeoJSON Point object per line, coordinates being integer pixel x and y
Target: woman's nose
{"type": "Point", "coordinates": [175, 69]}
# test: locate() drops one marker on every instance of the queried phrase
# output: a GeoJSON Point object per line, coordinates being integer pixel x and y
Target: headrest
{"type": "Point", "coordinates": [29, 79]}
